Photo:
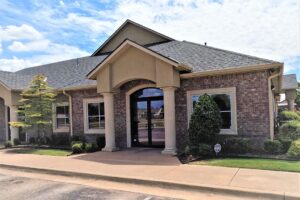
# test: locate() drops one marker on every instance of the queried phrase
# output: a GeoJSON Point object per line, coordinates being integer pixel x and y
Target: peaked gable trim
{"type": "Point", "coordinates": [128, 21]}
{"type": "Point", "coordinates": [91, 74]}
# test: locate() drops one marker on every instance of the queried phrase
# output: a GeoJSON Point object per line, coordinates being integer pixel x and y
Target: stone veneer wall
{"type": "Point", "coordinates": [2, 121]}
{"type": "Point", "coordinates": [252, 104]}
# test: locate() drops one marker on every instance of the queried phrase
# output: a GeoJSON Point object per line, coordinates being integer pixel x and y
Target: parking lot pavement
{"type": "Point", "coordinates": [15, 188]}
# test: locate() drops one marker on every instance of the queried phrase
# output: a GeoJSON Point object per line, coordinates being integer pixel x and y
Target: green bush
{"type": "Point", "coordinates": [286, 143]}
{"type": "Point", "coordinates": [294, 150]}
{"type": "Point", "coordinates": [32, 140]}
{"type": "Point", "coordinates": [80, 138]}
{"type": "Point", "coordinates": [16, 141]}
{"type": "Point", "coordinates": [8, 144]}
{"type": "Point", "coordinates": [100, 142]}
{"type": "Point", "coordinates": [77, 148]}
{"type": "Point", "coordinates": [91, 147]}
{"type": "Point", "coordinates": [205, 149]}
{"type": "Point", "coordinates": [273, 147]}
{"type": "Point", "coordinates": [205, 121]}
{"type": "Point", "coordinates": [290, 130]}
{"type": "Point", "coordinates": [60, 139]}
{"type": "Point", "coordinates": [288, 116]}
{"type": "Point", "coordinates": [236, 145]}
{"type": "Point", "coordinates": [83, 144]}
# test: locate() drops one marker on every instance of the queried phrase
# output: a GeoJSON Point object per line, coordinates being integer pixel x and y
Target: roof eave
{"type": "Point", "coordinates": [230, 70]}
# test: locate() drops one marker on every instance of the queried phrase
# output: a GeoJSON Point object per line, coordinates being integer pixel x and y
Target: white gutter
{"type": "Point", "coordinates": [70, 111]}
{"type": "Point", "coordinates": [271, 103]}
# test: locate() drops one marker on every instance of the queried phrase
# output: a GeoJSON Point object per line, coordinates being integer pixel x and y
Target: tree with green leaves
{"type": "Point", "coordinates": [297, 101]}
{"type": "Point", "coordinates": [205, 121]}
{"type": "Point", "coordinates": [36, 106]}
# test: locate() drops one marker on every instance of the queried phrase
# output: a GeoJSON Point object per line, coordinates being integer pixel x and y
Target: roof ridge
{"type": "Point", "coordinates": [234, 52]}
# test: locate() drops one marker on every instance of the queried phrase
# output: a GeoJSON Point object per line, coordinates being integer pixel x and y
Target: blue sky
{"type": "Point", "coordinates": [35, 32]}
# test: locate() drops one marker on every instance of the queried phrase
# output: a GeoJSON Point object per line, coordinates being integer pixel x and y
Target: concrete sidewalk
{"type": "Point", "coordinates": [151, 166]}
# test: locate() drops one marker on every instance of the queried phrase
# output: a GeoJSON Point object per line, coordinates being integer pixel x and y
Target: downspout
{"type": "Point", "coordinates": [271, 99]}
{"type": "Point", "coordinates": [70, 112]}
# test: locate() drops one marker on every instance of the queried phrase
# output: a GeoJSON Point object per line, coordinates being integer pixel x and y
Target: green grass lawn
{"type": "Point", "coordinates": [49, 152]}
{"type": "Point", "coordinates": [253, 163]}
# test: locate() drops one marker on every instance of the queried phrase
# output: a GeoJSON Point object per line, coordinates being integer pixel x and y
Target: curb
{"type": "Point", "coordinates": [164, 184]}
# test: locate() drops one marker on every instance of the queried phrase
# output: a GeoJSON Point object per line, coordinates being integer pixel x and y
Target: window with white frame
{"type": "Point", "coordinates": [61, 117]}
{"type": "Point", "coordinates": [225, 98]}
{"type": "Point", "coordinates": [94, 118]}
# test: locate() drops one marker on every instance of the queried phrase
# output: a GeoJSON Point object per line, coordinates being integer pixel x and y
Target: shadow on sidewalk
{"type": "Point", "coordinates": [132, 156]}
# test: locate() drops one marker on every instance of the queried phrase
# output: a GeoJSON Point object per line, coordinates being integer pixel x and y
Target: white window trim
{"type": "Point", "coordinates": [230, 91]}
{"type": "Point", "coordinates": [55, 129]}
{"type": "Point", "coordinates": [85, 116]}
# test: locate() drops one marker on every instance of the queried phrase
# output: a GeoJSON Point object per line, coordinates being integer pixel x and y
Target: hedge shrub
{"type": "Point", "coordinates": [77, 148]}
{"type": "Point", "coordinates": [236, 145]}
{"type": "Point", "coordinates": [294, 150]}
{"type": "Point", "coordinates": [290, 130]}
{"type": "Point", "coordinates": [205, 149]}
{"type": "Point", "coordinates": [286, 143]}
{"type": "Point", "coordinates": [16, 141]}
{"type": "Point", "coordinates": [91, 147]}
{"type": "Point", "coordinates": [273, 147]}
{"type": "Point", "coordinates": [8, 144]}
{"type": "Point", "coordinates": [32, 140]}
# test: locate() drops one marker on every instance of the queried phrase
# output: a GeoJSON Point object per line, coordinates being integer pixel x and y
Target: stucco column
{"type": "Point", "coordinates": [290, 96]}
{"type": "Point", "coordinates": [291, 104]}
{"type": "Point", "coordinates": [14, 118]}
{"type": "Point", "coordinates": [110, 144]}
{"type": "Point", "coordinates": [170, 130]}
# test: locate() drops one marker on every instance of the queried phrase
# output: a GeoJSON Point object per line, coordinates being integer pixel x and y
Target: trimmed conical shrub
{"type": "Point", "coordinates": [205, 121]}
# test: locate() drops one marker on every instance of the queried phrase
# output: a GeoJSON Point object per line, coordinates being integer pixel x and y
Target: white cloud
{"type": "Point", "coordinates": [264, 28]}
{"type": "Point", "coordinates": [95, 25]}
{"type": "Point", "coordinates": [55, 53]}
{"type": "Point", "coordinates": [23, 32]}
{"type": "Point", "coordinates": [39, 45]}
{"type": "Point", "coordinates": [61, 3]}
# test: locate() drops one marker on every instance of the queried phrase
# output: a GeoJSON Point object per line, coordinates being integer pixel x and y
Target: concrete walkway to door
{"type": "Point", "coordinates": [150, 165]}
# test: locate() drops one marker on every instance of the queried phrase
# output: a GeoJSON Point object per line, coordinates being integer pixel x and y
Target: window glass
{"type": "Point", "coordinates": [223, 102]}
{"type": "Point", "coordinates": [62, 117]}
{"type": "Point", "coordinates": [96, 118]}
{"type": "Point", "coordinates": [149, 92]}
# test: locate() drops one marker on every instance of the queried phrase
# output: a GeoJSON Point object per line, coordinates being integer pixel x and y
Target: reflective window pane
{"type": "Point", "coordinates": [223, 101]}
{"type": "Point", "coordinates": [93, 109]}
{"type": "Point", "coordinates": [226, 120]}
{"type": "Point", "coordinates": [93, 122]}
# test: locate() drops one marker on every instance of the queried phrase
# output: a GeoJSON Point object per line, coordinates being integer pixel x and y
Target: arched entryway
{"type": "Point", "coordinates": [147, 118]}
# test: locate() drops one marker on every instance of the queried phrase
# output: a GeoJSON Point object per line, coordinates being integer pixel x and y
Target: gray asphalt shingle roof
{"type": "Point", "coordinates": [289, 81]}
{"type": "Point", "coordinates": [206, 58]}
{"type": "Point", "coordinates": [72, 73]}
{"type": "Point", "coordinates": [63, 74]}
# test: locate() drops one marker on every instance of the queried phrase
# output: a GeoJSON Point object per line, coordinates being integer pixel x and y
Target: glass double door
{"type": "Point", "coordinates": [148, 122]}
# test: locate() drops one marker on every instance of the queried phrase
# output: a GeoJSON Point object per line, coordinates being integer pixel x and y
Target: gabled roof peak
{"type": "Point", "coordinates": [137, 33]}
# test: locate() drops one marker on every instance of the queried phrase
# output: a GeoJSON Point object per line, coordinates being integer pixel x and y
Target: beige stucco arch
{"type": "Point", "coordinates": [130, 62]}
{"type": "Point", "coordinates": [136, 64]}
